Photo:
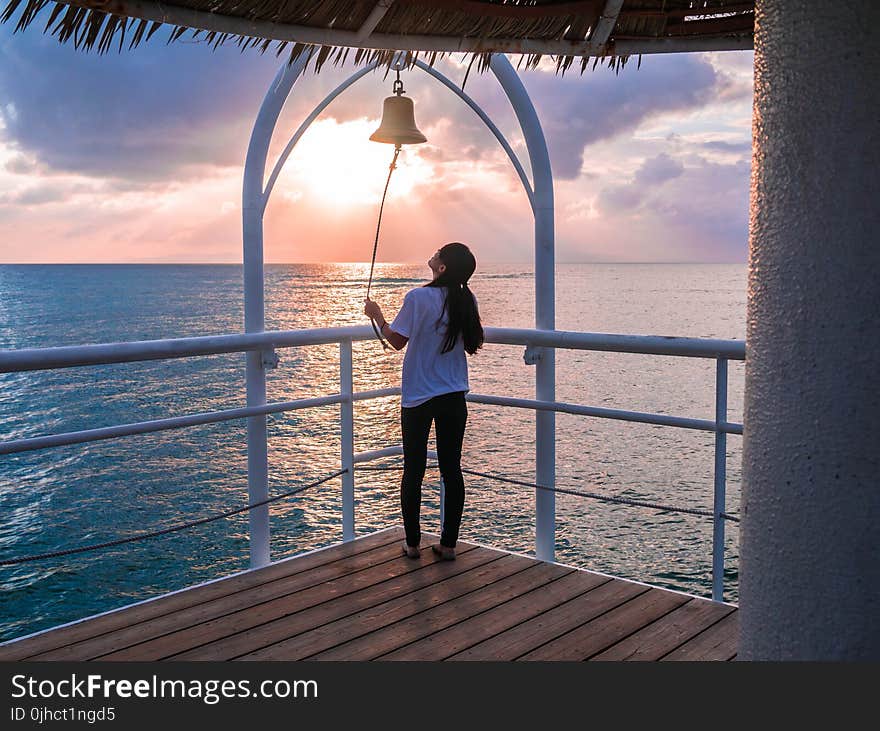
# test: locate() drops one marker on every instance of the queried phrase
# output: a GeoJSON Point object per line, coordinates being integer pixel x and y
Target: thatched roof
{"type": "Point", "coordinates": [375, 29]}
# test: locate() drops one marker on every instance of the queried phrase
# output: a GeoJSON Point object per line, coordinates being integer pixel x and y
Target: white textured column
{"type": "Point", "coordinates": [810, 575]}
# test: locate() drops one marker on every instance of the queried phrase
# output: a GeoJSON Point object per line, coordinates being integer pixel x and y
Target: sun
{"type": "Point", "coordinates": [336, 165]}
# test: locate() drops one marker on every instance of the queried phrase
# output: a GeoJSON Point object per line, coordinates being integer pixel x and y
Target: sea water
{"type": "Point", "coordinates": [83, 494]}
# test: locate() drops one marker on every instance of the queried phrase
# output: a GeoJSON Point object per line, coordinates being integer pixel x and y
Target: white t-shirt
{"type": "Point", "coordinates": [426, 371]}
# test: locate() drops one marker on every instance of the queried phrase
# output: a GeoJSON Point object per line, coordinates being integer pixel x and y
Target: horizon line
{"type": "Point", "coordinates": [297, 263]}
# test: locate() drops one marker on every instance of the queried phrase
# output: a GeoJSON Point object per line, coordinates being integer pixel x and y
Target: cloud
{"type": "Point", "coordinates": [653, 173]}
{"type": "Point", "coordinates": [182, 111]}
{"type": "Point", "coordinates": [658, 170]}
{"type": "Point", "coordinates": [701, 214]}
{"type": "Point", "coordinates": [148, 114]}
{"type": "Point", "coordinates": [617, 198]}
{"type": "Point", "coordinates": [737, 74]}
{"type": "Point", "coordinates": [20, 165]}
{"type": "Point", "coordinates": [577, 111]}
{"type": "Point", "coordinates": [36, 195]}
{"type": "Point", "coordinates": [724, 146]}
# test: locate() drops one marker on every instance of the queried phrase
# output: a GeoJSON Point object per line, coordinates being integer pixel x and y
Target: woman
{"type": "Point", "coordinates": [440, 322]}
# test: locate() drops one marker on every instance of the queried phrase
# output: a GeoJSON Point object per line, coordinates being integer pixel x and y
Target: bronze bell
{"type": "Point", "coordinates": [398, 125]}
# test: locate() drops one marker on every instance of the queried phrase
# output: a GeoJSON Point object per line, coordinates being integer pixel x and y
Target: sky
{"type": "Point", "coordinates": [138, 157]}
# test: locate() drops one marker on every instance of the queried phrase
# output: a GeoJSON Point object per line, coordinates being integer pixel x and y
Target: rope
{"type": "Point", "coordinates": [172, 529]}
{"type": "Point", "coordinates": [605, 498]}
{"type": "Point", "coordinates": [390, 467]}
{"type": "Point", "coordinates": [592, 495]}
{"type": "Point", "coordinates": [376, 242]}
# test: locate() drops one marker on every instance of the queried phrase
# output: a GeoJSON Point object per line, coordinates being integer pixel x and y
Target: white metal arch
{"type": "Point", "coordinates": [254, 199]}
{"type": "Point", "coordinates": [282, 158]}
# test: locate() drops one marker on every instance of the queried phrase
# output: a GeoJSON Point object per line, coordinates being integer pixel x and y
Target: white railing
{"type": "Point", "coordinates": [534, 340]}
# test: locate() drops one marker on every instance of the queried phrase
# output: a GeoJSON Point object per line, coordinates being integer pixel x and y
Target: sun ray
{"type": "Point", "coordinates": [336, 165]}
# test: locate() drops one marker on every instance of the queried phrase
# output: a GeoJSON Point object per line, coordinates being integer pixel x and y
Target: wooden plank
{"type": "Point", "coordinates": [345, 580]}
{"type": "Point", "coordinates": [91, 627]}
{"type": "Point", "coordinates": [611, 627]}
{"type": "Point", "coordinates": [719, 642]}
{"type": "Point", "coordinates": [436, 618]}
{"type": "Point", "coordinates": [517, 12]}
{"type": "Point", "coordinates": [731, 24]}
{"type": "Point", "coordinates": [727, 7]}
{"type": "Point", "coordinates": [668, 632]}
{"type": "Point", "coordinates": [364, 600]}
{"type": "Point", "coordinates": [472, 630]}
{"type": "Point", "coordinates": [224, 605]}
{"type": "Point", "coordinates": [292, 625]}
{"type": "Point", "coordinates": [369, 620]}
{"type": "Point", "coordinates": [607, 20]}
{"type": "Point", "coordinates": [548, 626]}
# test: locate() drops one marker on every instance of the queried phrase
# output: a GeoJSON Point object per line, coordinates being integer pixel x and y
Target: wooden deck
{"type": "Point", "coordinates": [364, 600]}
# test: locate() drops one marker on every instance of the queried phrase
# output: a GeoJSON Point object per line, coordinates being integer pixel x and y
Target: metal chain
{"type": "Point", "coordinates": [172, 529]}
{"type": "Point", "coordinates": [592, 495]}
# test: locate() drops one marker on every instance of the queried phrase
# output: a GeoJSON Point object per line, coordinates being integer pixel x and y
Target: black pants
{"type": "Point", "coordinates": [449, 414]}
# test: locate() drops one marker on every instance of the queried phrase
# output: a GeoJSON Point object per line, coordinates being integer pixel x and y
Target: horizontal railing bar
{"type": "Point", "coordinates": [372, 454]}
{"type": "Point", "coordinates": [397, 451]}
{"type": "Point", "coordinates": [180, 422]}
{"type": "Point", "coordinates": [376, 393]}
{"type": "Point", "coordinates": [68, 356]}
{"type": "Point", "coordinates": [637, 416]}
{"type": "Point", "coordinates": [647, 344]}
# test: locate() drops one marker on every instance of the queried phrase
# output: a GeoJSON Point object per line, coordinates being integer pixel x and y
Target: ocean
{"type": "Point", "coordinates": [90, 493]}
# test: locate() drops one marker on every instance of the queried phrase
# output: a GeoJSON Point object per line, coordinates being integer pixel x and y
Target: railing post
{"type": "Point", "coordinates": [346, 416]}
{"type": "Point", "coordinates": [720, 480]}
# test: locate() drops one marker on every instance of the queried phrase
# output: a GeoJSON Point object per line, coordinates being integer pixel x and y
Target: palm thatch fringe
{"type": "Point", "coordinates": [93, 25]}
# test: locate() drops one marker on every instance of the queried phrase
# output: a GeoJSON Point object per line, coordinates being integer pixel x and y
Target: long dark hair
{"type": "Point", "coordinates": [464, 318]}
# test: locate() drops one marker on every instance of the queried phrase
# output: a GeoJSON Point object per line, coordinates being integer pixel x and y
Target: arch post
{"type": "Point", "coordinates": [254, 303]}
{"type": "Point", "coordinates": [545, 303]}
{"type": "Point", "coordinates": [255, 199]}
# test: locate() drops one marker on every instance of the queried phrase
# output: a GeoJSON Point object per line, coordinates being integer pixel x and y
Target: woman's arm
{"type": "Point", "coordinates": [396, 339]}
{"type": "Point", "coordinates": [372, 310]}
